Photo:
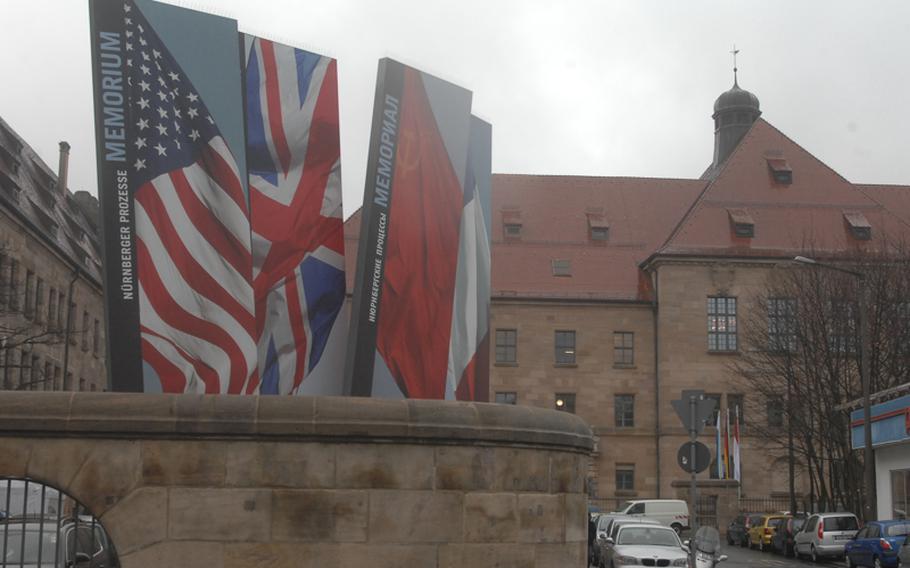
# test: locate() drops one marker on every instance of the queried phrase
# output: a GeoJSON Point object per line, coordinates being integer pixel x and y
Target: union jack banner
{"type": "Point", "coordinates": [293, 154]}
{"type": "Point", "coordinates": [192, 243]}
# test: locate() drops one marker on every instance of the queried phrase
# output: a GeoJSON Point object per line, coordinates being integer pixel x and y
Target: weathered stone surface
{"type": "Point", "coordinates": [282, 555]}
{"type": "Point", "coordinates": [567, 472]}
{"type": "Point", "coordinates": [122, 411]}
{"type": "Point", "coordinates": [138, 520]}
{"type": "Point", "coordinates": [383, 466]}
{"type": "Point", "coordinates": [15, 456]}
{"type": "Point", "coordinates": [559, 555]}
{"type": "Point", "coordinates": [361, 417]}
{"type": "Point", "coordinates": [541, 518]}
{"type": "Point", "coordinates": [108, 474]}
{"type": "Point", "coordinates": [415, 516]}
{"type": "Point", "coordinates": [286, 415]}
{"type": "Point", "coordinates": [271, 464]}
{"type": "Point", "coordinates": [57, 461]}
{"type": "Point", "coordinates": [521, 470]}
{"type": "Point", "coordinates": [487, 556]}
{"type": "Point", "coordinates": [490, 517]}
{"type": "Point", "coordinates": [175, 554]}
{"type": "Point", "coordinates": [227, 515]}
{"type": "Point", "coordinates": [464, 467]}
{"type": "Point", "coordinates": [319, 515]}
{"type": "Point", "coordinates": [387, 556]}
{"type": "Point", "coordinates": [576, 517]}
{"type": "Point", "coordinates": [171, 462]}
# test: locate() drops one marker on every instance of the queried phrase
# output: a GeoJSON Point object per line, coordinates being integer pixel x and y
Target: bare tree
{"type": "Point", "coordinates": [802, 359]}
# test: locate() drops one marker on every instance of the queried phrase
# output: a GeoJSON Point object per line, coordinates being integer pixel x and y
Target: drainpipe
{"type": "Point", "coordinates": [69, 321]}
{"type": "Point", "coordinates": [654, 308]}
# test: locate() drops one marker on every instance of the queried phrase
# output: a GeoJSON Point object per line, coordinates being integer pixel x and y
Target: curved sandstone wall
{"type": "Point", "coordinates": [224, 482]}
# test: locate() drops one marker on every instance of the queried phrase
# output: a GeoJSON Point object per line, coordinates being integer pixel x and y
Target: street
{"type": "Point", "coordinates": [745, 558]}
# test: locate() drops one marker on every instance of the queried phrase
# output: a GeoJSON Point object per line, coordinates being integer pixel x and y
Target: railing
{"type": "Point", "coordinates": [764, 504]}
{"type": "Point", "coordinates": [44, 527]}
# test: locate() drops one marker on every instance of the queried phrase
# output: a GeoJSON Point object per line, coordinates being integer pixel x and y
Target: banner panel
{"type": "Point", "coordinates": [294, 156]}
{"type": "Point", "coordinates": [410, 238]}
{"type": "Point", "coordinates": [173, 192]}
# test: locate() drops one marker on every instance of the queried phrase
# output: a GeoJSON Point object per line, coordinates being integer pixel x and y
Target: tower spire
{"type": "Point", "coordinates": [734, 52]}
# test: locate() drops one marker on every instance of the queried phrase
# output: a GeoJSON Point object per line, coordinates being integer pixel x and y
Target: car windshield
{"type": "Point", "coordinates": [774, 523]}
{"type": "Point", "coordinates": [647, 536]}
{"type": "Point", "coordinates": [898, 530]}
{"type": "Point", "coordinates": [841, 524]}
{"type": "Point", "coordinates": [17, 554]}
{"type": "Point", "coordinates": [798, 524]}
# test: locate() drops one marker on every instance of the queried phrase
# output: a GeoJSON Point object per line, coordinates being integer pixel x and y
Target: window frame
{"type": "Point", "coordinates": [782, 320]}
{"type": "Point", "coordinates": [624, 410]}
{"type": "Point", "coordinates": [506, 333]}
{"type": "Point", "coordinates": [509, 397]}
{"type": "Point", "coordinates": [623, 352]}
{"type": "Point", "coordinates": [624, 469]}
{"type": "Point", "coordinates": [565, 354]}
{"type": "Point", "coordinates": [561, 267]}
{"type": "Point", "coordinates": [568, 399]}
{"type": "Point", "coordinates": [722, 324]}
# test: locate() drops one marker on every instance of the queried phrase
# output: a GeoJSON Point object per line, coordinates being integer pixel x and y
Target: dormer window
{"type": "Point", "coordinates": [860, 228]}
{"type": "Point", "coordinates": [512, 230]}
{"type": "Point", "coordinates": [561, 267]}
{"type": "Point", "coordinates": [781, 171]}
{"type": "Point", "coordinates": [598, 228]}
{"type": "Point", "coordinates": [511, 223]}
{"type": "Point", "coordinates": [743, 225]}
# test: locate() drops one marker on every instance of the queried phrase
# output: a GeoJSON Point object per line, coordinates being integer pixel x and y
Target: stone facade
{"type": "Point", "coordinates": [222, 482]}
{"type": "Point", "coordinates": [50, 276]}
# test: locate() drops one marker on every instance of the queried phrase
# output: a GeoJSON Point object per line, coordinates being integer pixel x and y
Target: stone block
{"type": "Point", "coordinates": [15, 456]}
{"type": "Point", "coordinates": [282, 555]}
{"type": "Point", "coordinates": [227, 515]}
{"type": "Point", "coordinates": [560, 555]}
{"type": "Point", "coordinates": [216, 414]}
{"type": "Point", "coordinates": [415, 516]}
{"type": "Point", "coordinates": [358, 417]}
{"type": "Point", "coordinates": [387, 556]}
{"type": "Point", "coordinates": [490, 517]}
{"type": "Point", "coordinates": [168, 462]}
{"type": "Point", "coordinates": [107, 475]}
{"type": "Point", "coordinates": [280, 464]}
{"type": "Point", "coordinates": [464, 467]}
{"type": "Point", "coordinates": [567, 472]}
{"type": "Point", "coordinates": [176, 555]}
{"type": "Point", "coordinates": [319, 515]}
{"type": "Point", "coordinates": [56, 461]}
{"type": "Point", "coordinates": [138, 520]}
{"type": "Point", "coordinates": [541, 518]}
{"type": "Point", "coordinates": [286, 415]}
{"type": "Point", "coordinates": [486, 556]}
{"type": "Point", "coordinates": [576, 517]}
{"type": "Point", "coordinates": [122, 412]}
{"type": "Point", "coordinates": [521, 470]}
{"type": "Point", "coordinates": [383, 466]}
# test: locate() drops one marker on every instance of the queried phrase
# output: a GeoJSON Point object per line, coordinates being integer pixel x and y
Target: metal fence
{"type": "Point", "coordinates": [764, 504]}
{"type": "Point", "coordinates": [41, 526]}
{"type": "Point", "coordinates": [706, 510]}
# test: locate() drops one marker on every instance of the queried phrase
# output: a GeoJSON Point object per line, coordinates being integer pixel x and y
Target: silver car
{"type": "Point", "coordinates": [645, 545]}
{"type": "Point", "coordinates": [824, 535]}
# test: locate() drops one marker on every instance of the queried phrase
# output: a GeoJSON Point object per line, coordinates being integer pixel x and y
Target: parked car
{"type": "Point", "coordinates": [782, 541]}
{"type": "Point", "coordinates": [606, 539]}
{"type": "Point", "coordinates": [76, 545]}
{"type": "Point", "coordinates": [877, 544]}
{"type": "Point", "coordinates": [673, 513]}
{"type": "Point", "coordinates": [738, 529]}
{"type": "Point", "coordinates": [639, 544]}
{"type": "Point", "coordinates": [601, 529]}
{"type": "Point", "coordinates": [825, 535]}
{"type": "Point", "coordinates": [903, 555]}
{"type": "Point", "coordinates": [762, 530]}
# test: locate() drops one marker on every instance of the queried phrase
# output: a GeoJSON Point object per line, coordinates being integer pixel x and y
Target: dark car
{"type": "Point", "coordinates": [877, 544]}
{"type": "Point", "coordinates": [738, 529]}
{"type": "Point", "coordinates": [782, 541]}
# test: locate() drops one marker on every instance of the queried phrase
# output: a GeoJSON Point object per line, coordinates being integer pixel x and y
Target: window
{"type": "Point", "coordinates": [9, 361]}
{"type": "Point", "coordinates": [96, 337]}
{"type": "Point", "coordinates": [598, 227]}
{"type": "Point", "coordinates": [13, 284]}
{"type": "Point", "coordinates": [743, 225]}
{"type": "Point", "coordinates": [52, 309]}
{"type": "Point", "coordinates": [736, 403]}
{"type": "Point", "coordinates": [624, 410]}
{"type": "Point", "coordinates": [506, 397]}
{"type": "Point", "coordinates": [565, 347]}
{"type": "Point", "coordinates": [900, 493]}
{"type": "Point", "coordinates": [68, 382]}
{"type": "Point", "coordinates": [775, 408]}
{"type": "Point", "coordinates": [61, 306]}
{"type": "Point", "coordinates": [565, 401]}
{"type": "Point", "coordinates": [57, 385]}
{"type": "Point", "coordinates": [782, 324]}
{"type": "Point", "coordinates": [512, 230]}
{"type": "Point", "coordinates": [842, 327]}
{"type": "Point", "coordinates": [600, 233]}
{"type": "Point", "coordinates": [780, 171]}
{"type": "Point", "coordinates": [561, 267]}
{"type": "Point", "coordinates": [506, 345]}
{"type": "Point", "coordinates": [33, 378]}
{"type": "Point", "coordinates": [29, 294]}
{"type": "Point", "coordinates": [81, 384]}
{"type": "Point", "coordinates": [721, 324]}
{"type": "Point", "coordinates": [71, 323]}
{"type": "Point", "coordinates": [625, 477]}
{"type": "Point", "coordinates": [39, 299]}
{"type": "Point", "coordinates": [860, 228]}
{"type": "Point", "coordinates": [47, 379]}
{"type": "Point", "coordinates": [23, 370]}
{"type": "Point", "coordinates": [623, 348]}
{"type": "Point", "coordinates": [84, 331]}
{"type": "Point", "coordinates": [716, 398]}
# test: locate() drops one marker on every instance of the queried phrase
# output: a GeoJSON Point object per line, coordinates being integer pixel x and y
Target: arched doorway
{"type": "Point", "coordinates": [42, 526]}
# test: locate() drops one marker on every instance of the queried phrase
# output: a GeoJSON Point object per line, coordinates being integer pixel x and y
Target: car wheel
{"type": "Point", "coordinates": [877, 562]}
{"type": "Point", "coordinates": [761, 545]}
{"type": "Point", "coordinates": [676, 527]}
{"type": "Point", "coordinates": [813, 554]}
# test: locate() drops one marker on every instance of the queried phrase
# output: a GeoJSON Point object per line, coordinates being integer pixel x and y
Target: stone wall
{"type": "Point", "coordinates": [222, 482]}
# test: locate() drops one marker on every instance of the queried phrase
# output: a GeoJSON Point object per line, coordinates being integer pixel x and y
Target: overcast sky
{"type": "Point", "coordinates": [571, 87]}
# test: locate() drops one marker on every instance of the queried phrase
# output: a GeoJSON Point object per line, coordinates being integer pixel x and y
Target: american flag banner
{"type": "Point", "coordinates": [192, 240]}
{"type": "Point", "coordinates": [293, 153]}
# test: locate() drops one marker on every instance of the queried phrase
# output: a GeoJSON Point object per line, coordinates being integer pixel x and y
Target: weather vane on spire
{"type": "Point", "coordinates": [734, 52]}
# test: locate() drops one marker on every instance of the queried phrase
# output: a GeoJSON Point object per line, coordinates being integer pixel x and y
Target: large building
{"type": "Point", "coordinates": [51, 304]}
{"type": "Point", "coordinates": [611, 295]}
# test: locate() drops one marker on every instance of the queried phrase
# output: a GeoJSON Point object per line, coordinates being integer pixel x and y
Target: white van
{"type": "Point", "coordinates": [671, 512]}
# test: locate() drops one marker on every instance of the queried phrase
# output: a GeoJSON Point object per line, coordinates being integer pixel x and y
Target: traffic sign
{"type": "Point", "coordinates": [704, 409]}
{"type": "Point", "coordinates": [702, 457]}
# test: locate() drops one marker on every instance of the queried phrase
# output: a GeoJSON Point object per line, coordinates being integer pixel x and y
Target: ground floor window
{"type": "Point", "coordinates": [900, 494]}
